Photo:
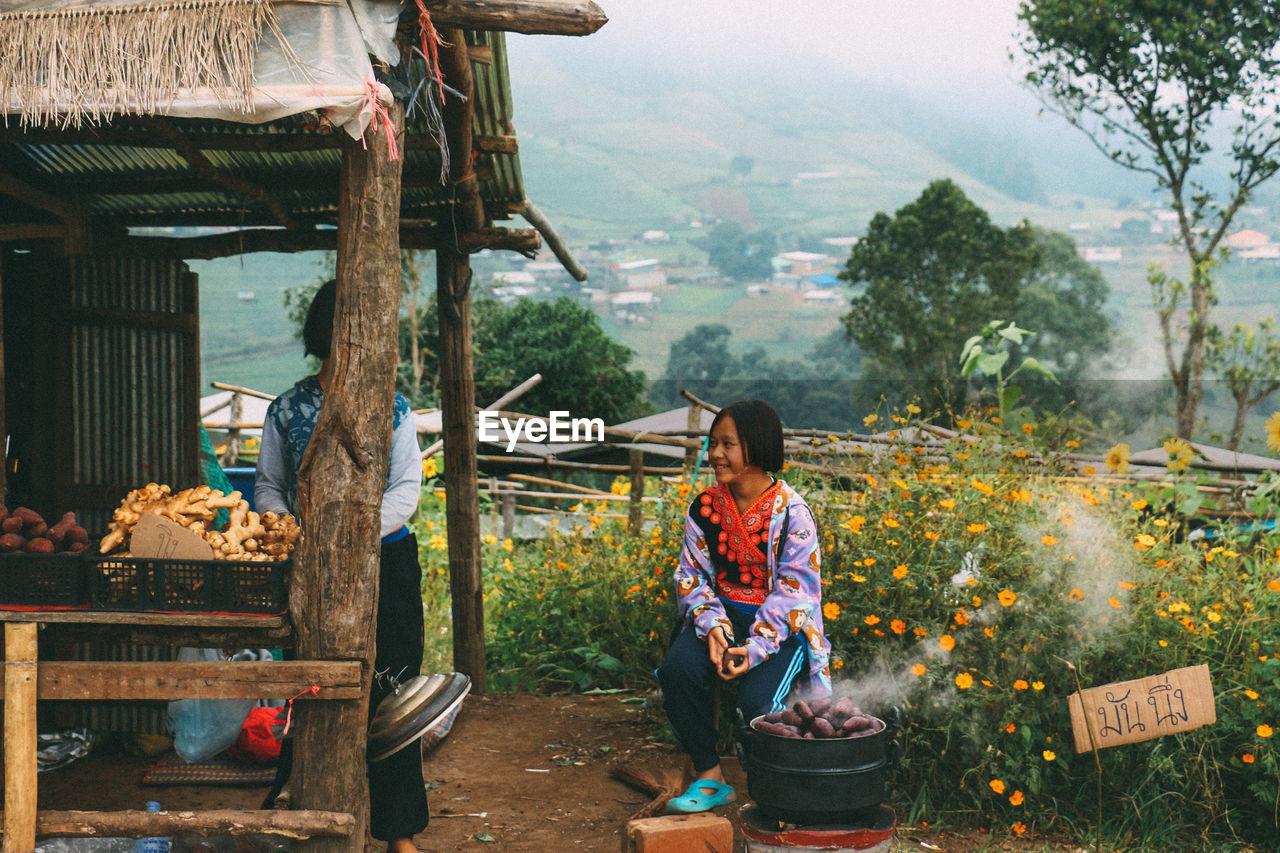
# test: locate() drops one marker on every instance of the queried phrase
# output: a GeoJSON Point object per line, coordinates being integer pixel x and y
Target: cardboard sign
{"type": "Point", "coordinates": [1131, 711]}
{"type": "Point", "coordinates": [159, 538]}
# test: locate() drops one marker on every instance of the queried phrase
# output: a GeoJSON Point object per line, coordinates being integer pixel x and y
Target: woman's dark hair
{"type": "Point", "coordinates": [317, 331]}
{"type": "Point", "coordinates": [759, 430]}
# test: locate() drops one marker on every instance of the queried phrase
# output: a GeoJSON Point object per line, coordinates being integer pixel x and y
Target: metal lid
{"type": "Point", "coordinates": [414, 713]}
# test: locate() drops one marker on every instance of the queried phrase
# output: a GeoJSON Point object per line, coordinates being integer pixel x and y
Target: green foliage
{"type": "Point", "coordinates": [583, 370]}
{"type": "Point", "coordinates": [1248, 359]}
{"type": "Point", "coordinates": [740, 255]}
{"type": "Point", "coordinates": [1152, 82]}
{"type": "Point", "coordinates": [923, 274]}
{"type": "Point", "coordinates": [818, 389]}
{"type": "Point", "coordinates": [987, 354]}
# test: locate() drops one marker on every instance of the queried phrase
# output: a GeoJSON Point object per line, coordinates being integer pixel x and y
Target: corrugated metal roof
{"type": "Point", "coordinates": [128, 174]}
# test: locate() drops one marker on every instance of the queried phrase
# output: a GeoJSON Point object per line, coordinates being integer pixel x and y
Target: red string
{"type": "Point", "coordinates": [371, 99]}
{"type": "Point", "coordinates": [288, 714]}
{"type": "Point", "coordinates": [430, 39]}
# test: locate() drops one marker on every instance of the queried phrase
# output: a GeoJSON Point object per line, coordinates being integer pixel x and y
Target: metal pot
{"type": "Point", "coordinates": [820, 781]}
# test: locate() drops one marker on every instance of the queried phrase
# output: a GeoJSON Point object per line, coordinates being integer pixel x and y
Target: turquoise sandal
{"type": "Point", "coordinates": [702, 795]}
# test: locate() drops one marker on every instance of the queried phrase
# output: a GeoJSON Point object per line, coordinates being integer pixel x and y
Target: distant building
{"type": "Point", "coordinates": [821, 281]}
{"type": "Point", "coordinates": [641, 275]}
{"type": "Point", "coordinates": [656, 237]}
{"type": "Point", "coordinates": [824, 295]}
{"type": "Point", "coordinates": [1247, 239]}
{"type": "Point", "coordinates": [514, 278]}
{"type": "Point", "coordinates": [1078, 227]}
{"type": "Point", "coordinates": [1102, 254]}
{"type": "Point", "coordinates": [844, 244]}
{"type": "Point", "coordinates": [246, 295]}
{"type": "Point", "coordinates": [804, 263]}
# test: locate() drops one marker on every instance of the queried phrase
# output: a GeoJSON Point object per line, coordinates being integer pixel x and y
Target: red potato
{"type": "Point", "coordinates": [30, 517]}
{"type": "Point", "coordinates": [820, 706]}
{"type": "Point", "coordinates": [10, 542]}
{"type": "Point", "coordinates": [806, 713]}
{"type": "Point", "coordinates": [790, 718]}
{"type": "Point", "coordinates": [777, 729]}
{"type": "Point", "coordinates": [77, 547]}
{"type": "Point", "coordinates": [78, 536]}
{"type": "Point", "coordinates": [32, 531]}
{"type": "Point", "coordinates": [821, 727]}
{"type": "Point", "coordinates": [12, 524]}
{"type": "Point", "coordinates": [4, 512]}
{"type": "Point", "coordinates": [38, 545]}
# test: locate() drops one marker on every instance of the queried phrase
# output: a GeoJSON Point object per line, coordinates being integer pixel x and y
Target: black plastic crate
{"type": "Point", "coordinates": [194, 586]}
{"type": "Point", "coordinates": [45, 581]}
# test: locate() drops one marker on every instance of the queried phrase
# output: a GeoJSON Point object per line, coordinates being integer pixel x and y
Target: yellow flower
{"type": "Point", "coordinates": [1020, 685]}
{"type": "Point", "coordinates": [947, 642]}
{"type": "Point", "coordinates": [853, 525]}
{"type": "Point", "coordinates": [872, 620]}
{"type": "Point", "coordinates": [1139, 505]}
{"type": "Point", "coordinates": [1049, 755]}
{"type": "Point", "coordinates": [913, 408]}
{"type": "Point", "coordinates": [985, 488]}
{"type": "Point", "coordinates": [1007, 597]}
{"type": "Point", "coordinates": [1272, 428]}
{"type": "Point", "coordinates": [437, 542]}
{"type": "Point", "coordinates": [931, 536]}
{"type": "Point", "coordinates": [831, 610]}
{"type": "Point", "coordinates": [997, 786]}
{"type": "Point", "coordinates": [1015, 799]}
{"type": "Point", "coordinates": [1144, 542]}
{"type": "Point", "coordinates": [870, 419]}
{"type": "Point", "coordinates": [1049, 540]}
{"type": "Point", "coordinates": [947, 503]}
{"type": "Point", "coordinates": [890, 522]}
{"type": "Point", "coordinates": [1037, 685]}
{"type": "Point", "coordinates": [964, 681]}
{"type": "Point", "coordinates": [429, 467]}
{"type": "Point", "coordinates": [1113, 602]}
{"type": "Point", "coordinates": [1180, 454]}
{"type": "Point", "coordinates": [1118, 459]}
{"type": "Point", "coordinates": [900, 572]}
{"type": "Point", "coordinates": [1028, 428]}
{"type": "Point", "coordinates": [919, 670]}
{"type": "Point", "coordinates": [976, 527]}
{"type": "Point", "coordinates": [1252, 694]}
{"type": "Point", "coordinates": [1076, 594]}
{"type": "Point", "coordinates": [1265, 731]}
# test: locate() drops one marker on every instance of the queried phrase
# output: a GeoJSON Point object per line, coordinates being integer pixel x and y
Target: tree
{"type": "Point", "coordinates": [739, 255]}
{"type": "Point", "coordinates": [583, 371]}
{"type": "Point", "coordinates": [1146, 80]}
{"type": "Point", "coordinates": [1248, 361]}
{"type": "Point", "coordinates": [929, 276]}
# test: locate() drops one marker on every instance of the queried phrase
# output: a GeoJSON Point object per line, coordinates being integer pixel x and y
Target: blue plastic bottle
{"type": "Point", "coordinates": [154, 844]}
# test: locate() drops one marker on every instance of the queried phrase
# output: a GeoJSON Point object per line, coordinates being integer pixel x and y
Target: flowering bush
{"type": "Point", "coordinates": [975, 586]}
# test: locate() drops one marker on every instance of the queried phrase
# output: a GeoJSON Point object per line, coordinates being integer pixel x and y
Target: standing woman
{"type": "Point", "coordinates": [749, 594]}
{"type": "Point", "coordinates": [397, 794]}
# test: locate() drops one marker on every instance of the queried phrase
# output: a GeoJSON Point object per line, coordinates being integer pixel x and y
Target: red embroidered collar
{"type": "Point", "coordinates": [741, 534]}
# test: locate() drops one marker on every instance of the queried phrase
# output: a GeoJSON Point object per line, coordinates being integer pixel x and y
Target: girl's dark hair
{"type": "Point", "coordinates": [759, 430]}
{"type": "Point", "coordinates": [317, 331]}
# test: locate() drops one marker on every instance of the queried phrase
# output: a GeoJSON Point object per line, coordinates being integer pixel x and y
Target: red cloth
{"type": "Point", "coordinates": [257, 743]}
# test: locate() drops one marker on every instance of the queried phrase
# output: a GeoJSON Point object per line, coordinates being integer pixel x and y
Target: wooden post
{"type": "Point", "coordinates": [231, 455]}
{"type": "Point", "coordinates": [462, 504]}
{"type": "Point", "coordinates": [457, 372]}
{"type": "Point", "coordinates": [334, 590]}
{"type": "Point", "coordinates": [20, 737]}
{"type": "Point", "coordinates": [508, 516]}
{"type": "Point", "coordinates": [495, 509]}
{"type": "Point", "coordinates": [4, 456]}
{"type": "Point", "coordinates": [635, 507]}
{"type": "Point", "coordinates": [694, 422]}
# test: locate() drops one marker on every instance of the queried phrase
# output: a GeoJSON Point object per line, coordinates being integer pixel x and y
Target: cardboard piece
{"type": "Point", "coordinates": [1131, 711]}
{"type": "Point", "coordinates": [159, 538]}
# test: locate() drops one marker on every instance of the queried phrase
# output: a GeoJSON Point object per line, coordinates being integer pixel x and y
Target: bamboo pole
{"type": "Point", "coordinates": [635, 510]}
{"type": "Point", "coordinates": [20, 737]}
{"type": "Point", "coordinates": [139, 824]}
{"type": "Point", "coordinates": [546, 481]}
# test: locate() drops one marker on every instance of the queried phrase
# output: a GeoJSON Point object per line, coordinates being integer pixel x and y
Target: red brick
{"type": "Point", "coordinates": [692, 833]}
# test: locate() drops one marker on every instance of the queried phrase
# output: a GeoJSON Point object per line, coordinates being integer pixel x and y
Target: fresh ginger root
{"type": "Point", "coordinates": [247, 536]}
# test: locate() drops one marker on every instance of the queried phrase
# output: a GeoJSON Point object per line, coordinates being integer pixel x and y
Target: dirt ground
{"type": "Point", "coordinates": [518, 773]}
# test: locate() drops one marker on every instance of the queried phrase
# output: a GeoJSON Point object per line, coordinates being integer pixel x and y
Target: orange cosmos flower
{"type": "Point", "coordinates": [1247, 758]}
{"type": "Point", "coordinates": [1015, 799]}
{"type": "Point", "coordinates": [1049, 540]}
{"type": "Point", "coordinates": [1020, 685]}
{"type": "Point", "coordinates": [831, 610]}
{"type": "Point", "coordinates": [918, 670]}
{"type": "Point", "coordinates": [976, 527]}
{"type": "Point", "coordinates": [1019, 827]}
{"type": "Point", "coordinates": [964, 681]}
{"type": "Point", "coordinates": [1007, 597]}
{"type": "Point", "coordinates": [997, 786]}
{"type": "Point", "coordinates": [1265, 731]}
{"type": "Point", "coordinates": [1010, 728]}
{"type": "Point", "coordinates": [898, 626]}
{"type": "Point", "coordinates": [947, 642]}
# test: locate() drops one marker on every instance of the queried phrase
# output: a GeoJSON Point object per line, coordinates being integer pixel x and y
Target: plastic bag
{"type": "Point", "coordinates": [259, 739]}
{"type": "Point", "coordinates": [204, 727]}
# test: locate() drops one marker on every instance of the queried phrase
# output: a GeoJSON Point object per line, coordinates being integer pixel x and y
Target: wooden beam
{"type": "Point", "coordinates": [20, 738]}
{"type": "Point", "coordinates": [140, 824]}
{"type": "Point", "coordinates": [77, 227]}
{"type": "Point", "coordinates": [558, 248]}
{"type": "Point", "coordinates": [459, 113]}
{"type": "Point", "coordinates": [11, 233]}
{"type": "Point", "coordinates": [280, 143]}
{"type": "Point", "coordinates": [533, 17]}
{"type": "Point", "coordinates": [249, 240]}
{"type": "Point", "coordinates": [162, 680]}
{"type": "Point", "coordinates": [203, 167]}
{"type": "Point", "coordinates": [334, 590]}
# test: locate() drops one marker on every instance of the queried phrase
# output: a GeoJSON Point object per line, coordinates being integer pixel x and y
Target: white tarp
{"type": "Point", "coordinates": [323, 63]}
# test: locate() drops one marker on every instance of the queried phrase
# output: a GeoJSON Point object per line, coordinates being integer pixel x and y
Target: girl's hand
{"type": "Point", "coordinates": [734, 663]}
{"type": "Point", "coordinates": [717, 642]}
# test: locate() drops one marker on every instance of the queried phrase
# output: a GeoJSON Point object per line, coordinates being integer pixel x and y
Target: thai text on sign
{"type": "Point", "coordinates": [1131, 711]}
